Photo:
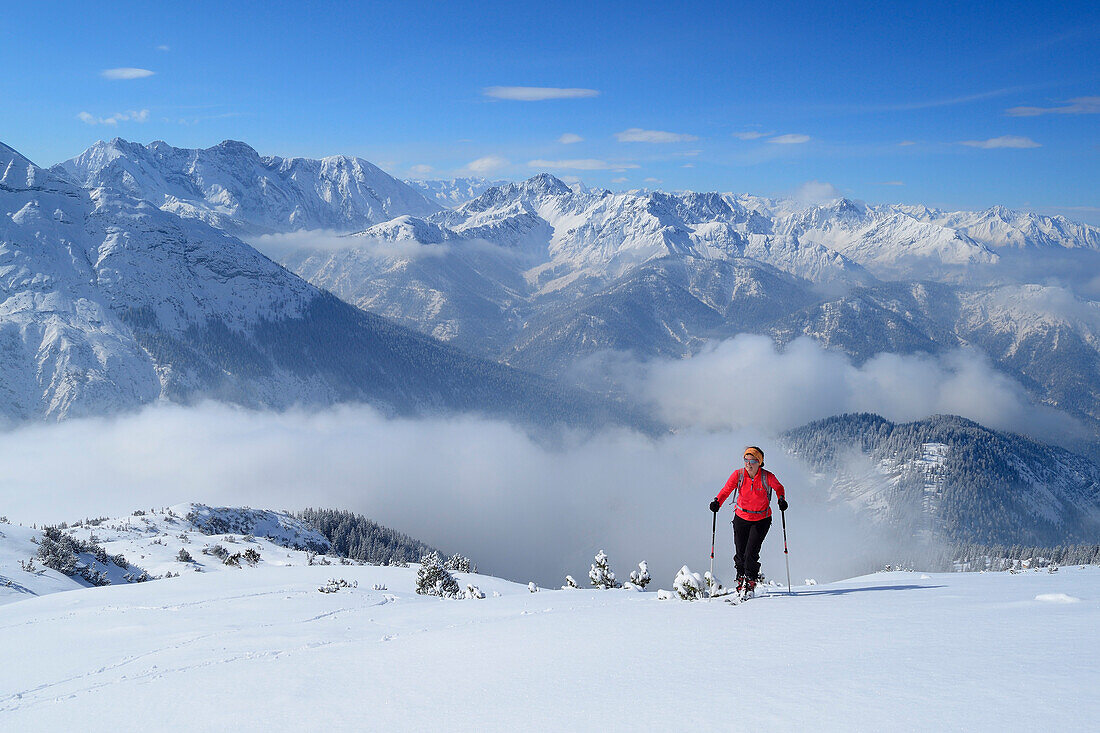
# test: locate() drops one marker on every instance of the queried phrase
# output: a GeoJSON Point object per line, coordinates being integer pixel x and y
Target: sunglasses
{"type": "Point", "coordinates": [751, 460]}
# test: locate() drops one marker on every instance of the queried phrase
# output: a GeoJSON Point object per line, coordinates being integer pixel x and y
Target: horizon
{"type": "Point", "coordinates": [956, 108]}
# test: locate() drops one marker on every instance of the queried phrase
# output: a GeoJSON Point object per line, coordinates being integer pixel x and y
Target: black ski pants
{"type": "Point", "coordinates": [748, 536]}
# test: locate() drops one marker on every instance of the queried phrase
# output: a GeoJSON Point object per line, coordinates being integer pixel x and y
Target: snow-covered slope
{"type": "Point", "coordinates": [163, 543]}
{"type": "Point", "coordinates": [950, 479]}
{"type": "Point", "coordinates": [232, 187]}
{"type": "Point", "coordinates": [22, 574]}
{"type": "Point", "coordinates": [262, 649]}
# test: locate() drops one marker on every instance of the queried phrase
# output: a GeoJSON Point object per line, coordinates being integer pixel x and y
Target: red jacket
{"type": "Point", "coordinates": [754, 500]}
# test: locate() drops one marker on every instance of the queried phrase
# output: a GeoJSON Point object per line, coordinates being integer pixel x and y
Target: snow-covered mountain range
{"type": "Point", "coordinates": [538, 274]}
{"type": "Point", "coordinates": [455, 191]}
{"type": "Point", "coordinates": [234, 188]}
{"type": "Point", "coordinates": [109, 302]}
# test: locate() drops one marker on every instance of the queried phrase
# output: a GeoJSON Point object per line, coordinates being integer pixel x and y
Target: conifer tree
{"type": "Point", "coordinates": [601, 574]}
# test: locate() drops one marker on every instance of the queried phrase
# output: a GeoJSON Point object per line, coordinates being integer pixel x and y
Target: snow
{"type": "Point", "coordinates": [1056, 598]}
{"type": "Point", "coordinates": [262, 649]}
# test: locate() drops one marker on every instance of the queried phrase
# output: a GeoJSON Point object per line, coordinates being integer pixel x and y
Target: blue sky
{"type": "Point", "coordinates": [935, 103]}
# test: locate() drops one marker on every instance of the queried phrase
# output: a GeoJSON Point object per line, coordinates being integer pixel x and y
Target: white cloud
{"type": "Point", "coordinates": [581, 164]}
{"type": "Point", "coordinates": [163, 48]}
{"type": "Point", "coordinates": [520, 509]}
{"type": "Point", "coordinates": [281, 246]}
{"type": "Point", "coordinates": [638, 135]}
{"type": "Point", "coordinates": [890, 183]}
{"type": "Point", "coordinates": [620, 179]}
{"type": "Point", "coordinates": [652, 180]}
{"type": "Point", "coordinates": [487, 164]}
{"type": "Point", "coordinates": [746, 382]}
{"type": "Point", "coordinates": [1005, 141]}
{"type": "Point", "coordinates": [569, 138]}
{"type": "Point", "coordinates": [751, 135]}
{"type": "Point", "coordinates": [1077, 106]}
{"type": "Point", "coordinates": [906, 143]}
{"type": "Point", "coordinates": [421, 170]}
{"type": "Point", "coordinates": [816, 192]}
{"type": "Point", "coordinates": [126, 73]}
{"type": "Point", "coordinates": [131, 116]}
{"type": "Point", "coordinates": [790, 139]}
{"type": "Point", "coordinates": [688, 165]}
{"type": "Point", "coordinates": [537, 94]}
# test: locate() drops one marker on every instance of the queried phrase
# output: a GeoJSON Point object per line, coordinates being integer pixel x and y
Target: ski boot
{"type": "Point", "coordinates": [740, 584]}
{"type": "Point", "coordinates": [748, 589]}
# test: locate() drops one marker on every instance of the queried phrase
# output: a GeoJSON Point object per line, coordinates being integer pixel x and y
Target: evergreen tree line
{"type": "Point", "coordinates": [356, 537]}
{"type": "Point", "coordinates": [1006, 557]}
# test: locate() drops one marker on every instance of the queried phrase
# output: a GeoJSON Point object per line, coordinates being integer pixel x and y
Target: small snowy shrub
{"type": "Point", "coordinates": [532, 587]}
{"type": "Point", "coordinates": [217, 551]}
{"type": "Point", "coordinates": [432, 579]}
{"type": "Point", "coordinates": [184, 556]}
{"type": "Point", "coordinates": [601, 574]}
{"type": "Point", "coordinates": [713, 585]}
{"type": "Point", "coordinates": [569, 583]}
{"type": "Point", "coordinates": [251, 556]}
{"type": "Point", "coordinates": [336, 584]}
{"type": "Point", "coordinates": [640, 577]}
{"type": "Point", "coordinates": [233, 560]}
{"type": "Point", "coordinates": [688, 585]}
{"type": "Point", "coordinates": [472, 591]}
{"type": "Point", "coordinates": [460, 564]}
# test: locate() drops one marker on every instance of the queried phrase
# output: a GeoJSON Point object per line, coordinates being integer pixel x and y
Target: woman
{"type": "Point", "coordinates": [753, 487]}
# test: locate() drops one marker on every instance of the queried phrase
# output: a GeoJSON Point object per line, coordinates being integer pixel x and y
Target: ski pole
{"type": "Point", "coordinates": [786, 556]}
{"type": "Point", "coordinates": [713, 530]}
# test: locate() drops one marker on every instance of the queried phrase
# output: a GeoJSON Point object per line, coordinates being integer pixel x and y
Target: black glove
{"type": "Point", "coordinates": [782, 504]}
{"type": "Point", "coordinates": [714, 506]}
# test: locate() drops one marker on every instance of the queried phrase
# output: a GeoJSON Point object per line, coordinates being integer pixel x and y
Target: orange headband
{"type": "Point", "coordinates": [755, 453]}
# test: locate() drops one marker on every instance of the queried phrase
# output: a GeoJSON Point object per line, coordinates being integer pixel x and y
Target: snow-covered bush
{"type": "Point", "coordinates": [184, 556]}
{"type": "Point", "coordinates": [601, 574]}
{"type": "Point", "coordinates": [472, 591]}
{"type": "Point", "coordinates": [569, 583]}
{"type": "Point", "coordinates": [713, 585]}
{"type": "Point", "coordinates": [217, 551]}
{"type": "Point", "coordinates": [640, 577]}
{"type": "Point", "coordinates": [336, 584]}
{"type": "Point", "coordinates": [460, 564]}
{"type": "Point", "coordinates": [233, 560]}
{"type": "Point", "coordinates": [688, 585]}
{"type": "Point", "coordinates": [432, 579]}
{"type": "Point", "coordinates": [251, 556]}
{"type": "Point", "coordinates": [532, 587]}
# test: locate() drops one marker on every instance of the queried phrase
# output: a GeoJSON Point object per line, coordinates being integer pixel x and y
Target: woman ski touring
{"type": "Point", "coordinates": [752, 487]}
